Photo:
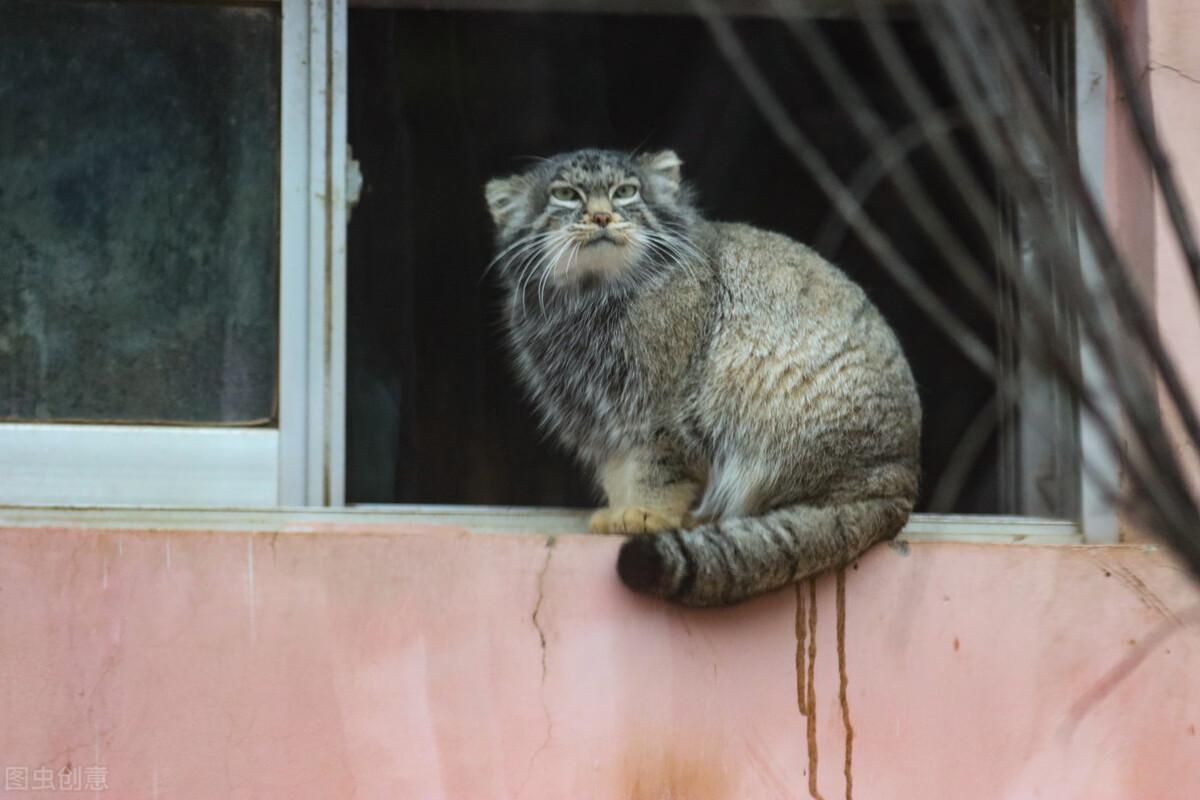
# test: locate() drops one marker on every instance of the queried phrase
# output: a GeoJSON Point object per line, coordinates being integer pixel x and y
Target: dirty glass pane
{"type": "Point", "coordinates": [138, 211]}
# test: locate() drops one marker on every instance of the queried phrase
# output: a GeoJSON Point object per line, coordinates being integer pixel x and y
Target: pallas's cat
{"type": "Point", "coordinates": [748, 412]}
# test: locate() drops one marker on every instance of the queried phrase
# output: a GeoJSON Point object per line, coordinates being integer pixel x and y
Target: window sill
{"type": "Point", "coordinates": [481, 520]}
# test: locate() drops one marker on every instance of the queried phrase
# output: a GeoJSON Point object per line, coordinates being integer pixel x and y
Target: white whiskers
{"type": "Point", "coordinates": [536, 259]}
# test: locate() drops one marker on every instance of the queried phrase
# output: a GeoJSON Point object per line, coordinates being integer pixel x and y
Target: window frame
{"type": "Point", "coordinates": [1075, 441]}
{"type": "Point", "coordinates": [312, 364]}
{"type": "Point", "coordinates": [1098, 518]}
{"type": "Point", "coordinates": [298, 460]}
{"type": "Point", "coordinates": [241, 474]}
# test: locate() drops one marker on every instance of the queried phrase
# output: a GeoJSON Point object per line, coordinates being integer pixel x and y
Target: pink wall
{"type": "Point", "coordinates": [1164, 36]}
{"type": "Point", "coordinates": [430, 663]}
{"type": "Point", "coordinates": [1174, 81]}
{"type": "Point", "coordinates": [426, 663]}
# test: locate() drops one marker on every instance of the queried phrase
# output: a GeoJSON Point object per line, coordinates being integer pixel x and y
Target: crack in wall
{"type": "Point", "coordinates": [537, 607]}
{"type": "Point", "coordinates": [1138, 587]}
{"type": "Point", "coordinates": [537, 625]}
{"type": "Point", "coordinates": [1153, 65]}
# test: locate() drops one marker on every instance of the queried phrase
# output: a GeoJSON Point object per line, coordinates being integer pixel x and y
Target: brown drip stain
{"type": "Point", "coordinates": [660, 775]}
{"type": "Point", "coordinates": [806, 659]}
{"type": "Point", "coordinates": [810, 701]}
{"type": "Point", "coordinates": [843, 680]}
{"type": "Point", "coordinates": [801, 637]}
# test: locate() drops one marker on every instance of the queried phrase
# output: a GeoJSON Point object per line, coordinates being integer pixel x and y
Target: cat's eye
{"type": "Point", "coordinates": [626, 191]}
{"type": "Point", "coordinates": [564, 194]}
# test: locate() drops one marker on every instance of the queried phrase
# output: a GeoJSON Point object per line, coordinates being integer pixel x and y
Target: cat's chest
{"type": "Point", "coordinates": [586, 369]}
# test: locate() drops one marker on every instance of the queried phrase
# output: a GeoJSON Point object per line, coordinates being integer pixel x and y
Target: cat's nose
{"type": "Point", "coordinates": [602, 218]}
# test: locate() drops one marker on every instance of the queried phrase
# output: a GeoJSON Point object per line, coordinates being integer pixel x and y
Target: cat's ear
{"type": "Point", "coordinates": [663, 164]}
{"type": "Point", "coordinates": [504, 197]}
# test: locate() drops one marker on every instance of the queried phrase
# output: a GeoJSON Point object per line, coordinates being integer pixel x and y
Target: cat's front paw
{"type": "Point", "coordinates": [629, 520]}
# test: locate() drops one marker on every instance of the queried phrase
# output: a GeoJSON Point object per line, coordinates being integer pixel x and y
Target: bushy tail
{"type": "Point", "coordinates": [720, 563]}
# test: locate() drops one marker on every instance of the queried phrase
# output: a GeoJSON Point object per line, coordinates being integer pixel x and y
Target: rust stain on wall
{"type": "Point", "coordinates": [1128, 663]}
{"type": "Point", "coordinates": [806, 690]}
{"type": "Point", "coordinates": [801, 638]}
{"type": "Point", "coordinates": [671, 776]}
{"type": "Point", "coordinates": [843, 680]}
{"type": "Point", "coordinates": [810, 701]}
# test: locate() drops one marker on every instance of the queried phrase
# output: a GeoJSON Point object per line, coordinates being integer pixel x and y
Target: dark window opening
{"type": "Point", "coordinates": [441, 101]}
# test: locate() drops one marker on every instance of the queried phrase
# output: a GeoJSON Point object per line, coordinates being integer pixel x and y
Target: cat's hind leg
{"type": "Point", "coordinates": [647, 491]}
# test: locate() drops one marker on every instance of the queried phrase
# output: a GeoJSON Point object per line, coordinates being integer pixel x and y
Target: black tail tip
{"type": "Point", "coordinates": [641, 565]}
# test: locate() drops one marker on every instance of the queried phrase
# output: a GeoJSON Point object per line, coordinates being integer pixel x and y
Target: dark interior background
{"type": "Point", "coordinates": [441, 101]}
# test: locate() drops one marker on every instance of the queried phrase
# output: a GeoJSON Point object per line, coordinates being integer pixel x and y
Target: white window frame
{"type": "Point", "coordinates": [300, 460]}
{"type": "Point", "coordinates": [1098, 519]}
{"type": "Point", "coordinates": [312, 300]}
{"type": "Point", "coordinates": [222, 476]}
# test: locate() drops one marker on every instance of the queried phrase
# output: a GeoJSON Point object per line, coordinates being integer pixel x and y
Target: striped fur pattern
{"type": "Point", "coordinates": [748, 412]}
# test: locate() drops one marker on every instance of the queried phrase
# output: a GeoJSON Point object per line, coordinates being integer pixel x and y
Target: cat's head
{"type": "Point", "coordinates": [592, 218]}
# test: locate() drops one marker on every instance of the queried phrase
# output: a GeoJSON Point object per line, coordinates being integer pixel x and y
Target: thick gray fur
{"type": "Point", "coordinates": [747, 410]}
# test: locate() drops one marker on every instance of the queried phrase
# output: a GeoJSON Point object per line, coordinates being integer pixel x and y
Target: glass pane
{"type": "Point", "coordinates": [139, 149]}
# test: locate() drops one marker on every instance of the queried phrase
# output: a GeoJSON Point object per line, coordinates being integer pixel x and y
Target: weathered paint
{"type": "Point", "coordinates": [1162, 38]}
{"type": "Point", "coordinates": [1174, 84]}
{"type": "Point", "coordinates": [430, 663]}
